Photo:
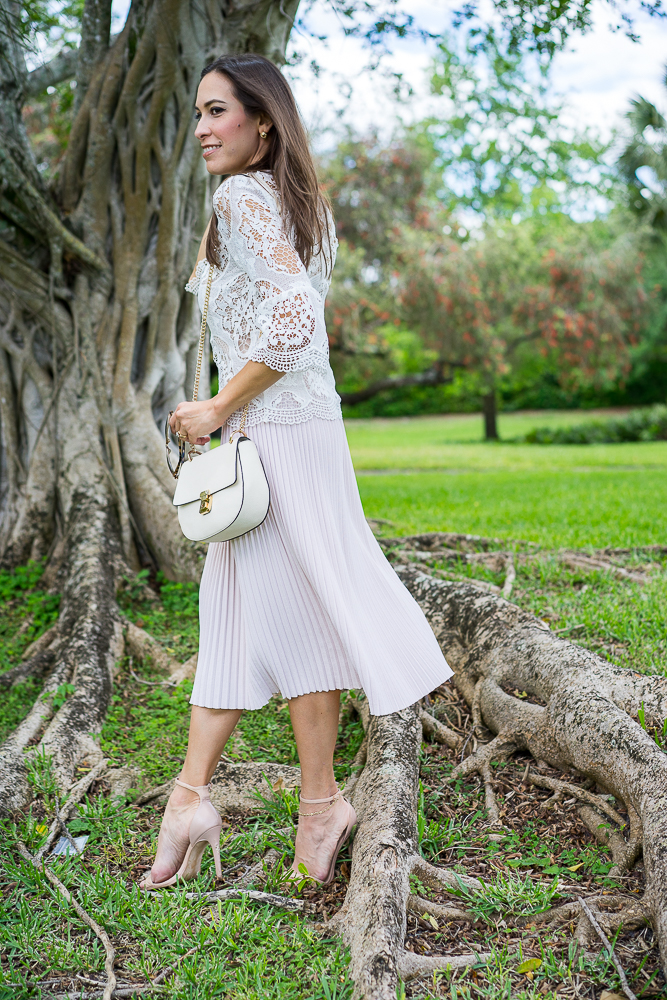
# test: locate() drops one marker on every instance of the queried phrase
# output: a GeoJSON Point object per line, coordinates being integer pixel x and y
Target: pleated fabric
{"type": "Point", "coordinates": [307, 601]}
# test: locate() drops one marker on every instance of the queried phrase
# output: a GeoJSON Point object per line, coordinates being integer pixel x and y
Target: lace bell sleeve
{"type": "Point", "coordinates": [288, 310]}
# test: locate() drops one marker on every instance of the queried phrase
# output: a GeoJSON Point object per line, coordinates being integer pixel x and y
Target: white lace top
{"type": "Point", "coordinates": [265, 306]}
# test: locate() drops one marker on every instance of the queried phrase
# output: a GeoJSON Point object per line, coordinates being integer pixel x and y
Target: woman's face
{"type": "Point", "coordinates": [230, 140]}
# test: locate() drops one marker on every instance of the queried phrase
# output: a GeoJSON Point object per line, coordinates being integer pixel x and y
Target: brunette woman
{"type": "Point", "coordinates": [306, 604]}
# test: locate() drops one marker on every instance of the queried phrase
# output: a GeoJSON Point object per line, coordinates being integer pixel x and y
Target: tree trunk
{"type": "Point", "coordinates": [97, 335]}
{"type": "Point", "coordinates": [489, 408]}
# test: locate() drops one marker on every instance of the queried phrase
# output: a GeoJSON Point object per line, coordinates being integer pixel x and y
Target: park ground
{"type": "Point", "coordinates": [415, 475]}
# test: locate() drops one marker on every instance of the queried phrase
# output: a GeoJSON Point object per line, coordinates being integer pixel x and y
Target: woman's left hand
{"type": "Point", "coordinates": [195, 422]}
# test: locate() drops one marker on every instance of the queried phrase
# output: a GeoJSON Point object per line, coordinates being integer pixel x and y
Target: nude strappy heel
{"type": "Point", "coordinates": [296, 876]}
{"type": "Point", "coordinates": [205, 828]}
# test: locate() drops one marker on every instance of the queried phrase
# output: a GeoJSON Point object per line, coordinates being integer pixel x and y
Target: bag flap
{"type": "Point", "coordinates": [212, 471]}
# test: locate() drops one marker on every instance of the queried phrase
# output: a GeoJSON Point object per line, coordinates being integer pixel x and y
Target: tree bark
{"type": "Point", "coordinates": [97, 335]}
{"type": "Point", "coordinates": [489, 408]}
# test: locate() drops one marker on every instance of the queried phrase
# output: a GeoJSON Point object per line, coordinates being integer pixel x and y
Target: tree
{"type": "Point", "coordinates": [503, 148]}
{"type": "Point", "coordinates": [526, 289]}
{"type": "Point", "coordinates": [414, 301]}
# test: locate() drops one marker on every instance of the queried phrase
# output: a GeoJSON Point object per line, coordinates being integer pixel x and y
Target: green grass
{"type": "Point", "coordinates": [245, 951]}
{"type": "Point", "coordinates": [27, 612]}
{"type": "Point", "coordinates": [576, 495]}
{"type": "Point", "coordinates": [456, 443]}
{"type": "Point", "coordinates": [568, 509]}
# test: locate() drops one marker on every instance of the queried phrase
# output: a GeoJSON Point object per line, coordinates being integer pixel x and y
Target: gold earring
{"type": "Point", "coordinates": [263, 135]}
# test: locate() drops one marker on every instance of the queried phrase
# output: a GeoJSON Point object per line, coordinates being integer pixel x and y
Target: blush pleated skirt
{"type": "Point", "coordinates": [307, 601]}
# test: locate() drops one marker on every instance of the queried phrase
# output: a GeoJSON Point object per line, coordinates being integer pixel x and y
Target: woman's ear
{"type": "Point", "coordinates": [265, 127]}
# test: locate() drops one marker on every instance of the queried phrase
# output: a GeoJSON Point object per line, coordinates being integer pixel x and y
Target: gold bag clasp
{"type": "Point", "coordinates": [206, 500]}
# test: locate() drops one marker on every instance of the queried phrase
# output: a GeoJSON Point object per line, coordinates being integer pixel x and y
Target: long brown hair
{"type": "Point", "coordinates": [262, 90]}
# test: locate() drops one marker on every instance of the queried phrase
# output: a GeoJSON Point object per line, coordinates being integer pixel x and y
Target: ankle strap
{"type": "Point", "coordinates": [193, 788]}
{"type": "Point", "coordinates": [313, 801]}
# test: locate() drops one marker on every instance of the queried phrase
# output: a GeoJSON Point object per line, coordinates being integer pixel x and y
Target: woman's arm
{"type": "Point", "coordinates": [197, 421]}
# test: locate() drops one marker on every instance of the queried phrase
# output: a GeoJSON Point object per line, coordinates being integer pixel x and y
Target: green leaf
{"type": "Point", "coordinates": [530, 965]}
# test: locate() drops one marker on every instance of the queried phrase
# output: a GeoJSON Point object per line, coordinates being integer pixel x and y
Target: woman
{"type": "Point", "coordinates": [306, 604]}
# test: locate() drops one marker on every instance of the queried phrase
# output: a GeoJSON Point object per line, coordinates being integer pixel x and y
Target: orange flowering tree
{"type": "Point", "coordinates": [413, 301]}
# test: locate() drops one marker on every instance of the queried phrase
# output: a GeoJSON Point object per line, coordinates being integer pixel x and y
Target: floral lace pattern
{"type": "Point", "coordinates": [265, 306]}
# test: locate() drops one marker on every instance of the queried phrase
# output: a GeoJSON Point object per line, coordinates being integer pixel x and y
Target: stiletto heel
{"type": "Point", "coordinates": [215, 847]}
{"type": "Point", "coordinates": [293, 874]}
{"type": "Point", "coordinates": [205, 828]}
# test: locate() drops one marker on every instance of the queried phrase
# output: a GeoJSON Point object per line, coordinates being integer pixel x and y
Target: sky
{"type": "Point", "coordinates": [597, 74]}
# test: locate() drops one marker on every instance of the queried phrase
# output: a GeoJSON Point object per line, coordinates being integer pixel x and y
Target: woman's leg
{"type": "Point", "coordinates": [315, 723]}
{"type": "Point", "coordinates": [210, 728]}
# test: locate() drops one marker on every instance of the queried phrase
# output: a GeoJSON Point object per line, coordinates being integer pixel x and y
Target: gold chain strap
{"type": "Point", "coordinates": [202, 335]}
{"type": "Point", "coordinates": [200, 355]}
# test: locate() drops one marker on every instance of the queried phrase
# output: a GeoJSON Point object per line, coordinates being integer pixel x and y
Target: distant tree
{"type": "Point", "coordinates": [643, 163]}
{"type": "Point", "coordinates": [578, 305]}
{"type": "Point", "coordinates": [502, 145]}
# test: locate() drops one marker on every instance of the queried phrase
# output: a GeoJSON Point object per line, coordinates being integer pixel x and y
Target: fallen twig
{"type": "Point", "coordinates": [605, 940]}
{"type": "Point", "coordinates": [171, 968]}
{"type": "Point", "coordinates": [109, 950]}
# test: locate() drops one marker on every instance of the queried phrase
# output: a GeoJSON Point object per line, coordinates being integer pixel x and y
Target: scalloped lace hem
{"type": "Point", "coordinates": [267, 415]}
{"type": "Point", "coordinates": [305, 361]}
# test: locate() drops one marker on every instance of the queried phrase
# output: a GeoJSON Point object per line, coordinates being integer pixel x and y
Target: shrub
{"type": "Point", "coordinates": [648, 424]}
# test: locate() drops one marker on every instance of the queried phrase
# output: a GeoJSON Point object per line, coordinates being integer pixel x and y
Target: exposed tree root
{"type": "Point", "coordinates": [577, 560]}
{"type": "Point", "coordinates": [510, 577]}
{"type": "Point", "coordinates": [142, 645]}
{"type": "Point", "coordinates": [372, 919]}
{"type": "Point", "coordinates": [568, 912]}
{"type": "Point", "coordinates": [565, 788]}
{"type": "Point", "coordinates": [109, 950]}
{"type": "Point", "coordinates": [424, 907]}
{"type": "Point", "coordinates": [579, 717]}
{"type": "Point", "coordinates": [413, 966]}
{"type": "Point", "coordinates": [282, 902]}
{"type": "Point", "coordinates": [236, 787]}
{"type": "Point", "coordinates": [438, 731]}
{"type": "Point", "coordinates": [36, 660]}
{"type": "Point", "coordinates": [583, 718]}
{"type": "Point", "coordinates": [91, 644]}
{"type": "Point", "coordinates": [624, 852]}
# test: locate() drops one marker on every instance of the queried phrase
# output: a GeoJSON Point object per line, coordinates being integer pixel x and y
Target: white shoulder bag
{"type": "Point", "coordinates": [221, 493]}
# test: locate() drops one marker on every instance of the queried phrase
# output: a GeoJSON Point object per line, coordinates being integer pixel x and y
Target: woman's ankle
{"type": "Point", "coordinates": [181, 797]}
{"type": "Point", "coordinates": [327, 788]}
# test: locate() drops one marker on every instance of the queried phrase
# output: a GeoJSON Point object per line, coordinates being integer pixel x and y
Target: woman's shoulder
{"type": "Point", "coordinates": [254, 182]}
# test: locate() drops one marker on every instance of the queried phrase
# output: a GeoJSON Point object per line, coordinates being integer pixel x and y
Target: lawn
{"type": "Point", "coordinates": [436, 474]}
